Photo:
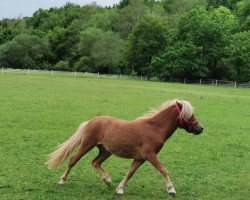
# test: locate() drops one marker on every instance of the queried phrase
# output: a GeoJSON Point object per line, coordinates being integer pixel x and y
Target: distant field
{"type": "Point", "coordinates": [37, 112]}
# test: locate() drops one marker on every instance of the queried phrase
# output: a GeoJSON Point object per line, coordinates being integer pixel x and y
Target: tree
{"type": "Point", "coordinates": [56, 37]}
{"type": "Point", "coordinates": [24, 51]}
{"type": "Point", "coordinates": [181, 60]}
{"type": "Point", "coordinates": [123, 4]}
{"type": "Point", "coordinates": [88, 39]}
{"type": "Point", "coordinates": [107, 52]}
{"type": "Point", "coordinates": [45, 20]}
{"type": "Point", "coordinates": [39, 17]}
{"type": "Point", "coordinates": [197, 46]}
{"type": "Point", "coordinates": [10, 28]}
{"type": "Point", "coordinates": [231, 4]}
{"type": "Point", "coordinates": [243, 13]}
{"type": "Point", "coordinates": [167, 38]}
{"type": "Point", "coordinates": [70, 12]}
{"type": "Point", "coordinates": [68, 47]}
{"type": "Point", "coordinates": [148, 39]}
{"type": "Point", "coordinates": [209, 31]}
{"type": "Point", "coordinates": [62, 65]}
{"type": "Point", "coordinates": [104, 20]}
{"type": "Point", "coordinates": [129, 16]}
{"type": "Point", "coordinates": [176, 8]}
{"type": "Point", "coordinates": [238, 56]}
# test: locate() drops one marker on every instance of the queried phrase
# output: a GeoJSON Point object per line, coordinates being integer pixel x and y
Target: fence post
{"type": "Point", "coordinates": [184, 80]}
{"type": "Point", "coordinates": [235, 84]}
{"type": "Point", "coordinates": [216, 81]}
{"type": "Point", "coordinates": [52, 73]}
{"type": "Point", "coordinates": [28, 71]}
{"type": "Point", "coordinates": [75, 73]}
{"type": "Point", "coordinates": [141, 77]}
{"type": "Point", "coordinates": [2, 73]}
{"type": "Point", "coordinates": [200, 81]}
{"type": "Point", "coordinates": [98, 75]}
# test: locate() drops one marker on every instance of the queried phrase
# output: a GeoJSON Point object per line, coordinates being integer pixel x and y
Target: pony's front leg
{"type": "Point", "coordinates": [157, 164]}
{"type": "Point", "coordinates": [135, 165]}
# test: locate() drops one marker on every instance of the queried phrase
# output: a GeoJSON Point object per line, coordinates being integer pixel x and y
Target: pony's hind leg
{"type": "Point", "coordinates": [84, 148]}
{"type": "Point", "coordinates": [102, 156]}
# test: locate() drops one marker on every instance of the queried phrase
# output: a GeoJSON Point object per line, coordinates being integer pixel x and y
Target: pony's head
{"type": "Point", "coordinates": [186, 119]}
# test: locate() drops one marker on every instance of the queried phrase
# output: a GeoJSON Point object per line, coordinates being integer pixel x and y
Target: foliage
{"type": "Point", "coordinates": [24, 51]}
{"type": "Point", "coordinates": [104, 20]}
{"type": "Point", "coordinates": [148, 33]}
{"type": "Point", "coordinates": [181, 60]}
{"type": "Point", "coordinates": [231, 4]}
{"type": "Point", "coordinates": [10, 28]}
{"type": "Point", "coordinates": [147, 40]}
{"type": "Point", "coordinates": [175, 8]}
{"type": "Point", "coordinates": [88, 38]}
{"type": "Point", "coordinates": [237, 56]}
{"type": "Point", "coordinates": [197, 46]}
{"type": "Point", "coordinates": [107, 52]}
{"type": "Point", "coordinates": [55, 37]}
{"type": "Point", "coordinates": [129, 16]}
{"type": "Point", "coordinates": [243, 13]}
{"type": "Point", "coordinates": [62, 65]}
{"type": "Point", "coordinates": [204, 35]}
{"type": "Point", "coordinates": [71, 40]}
{"type": "Point", "coordinates": [85, 64]}
{"type": "Point", "coordinates": [123, 3]}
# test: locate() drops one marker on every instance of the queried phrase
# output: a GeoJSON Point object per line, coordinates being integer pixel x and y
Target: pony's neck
{"type": "Point", "coordinates": [166, 122]}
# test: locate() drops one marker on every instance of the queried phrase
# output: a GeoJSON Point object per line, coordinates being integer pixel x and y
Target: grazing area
{"type": "Point", "coordinates": [39, 112]}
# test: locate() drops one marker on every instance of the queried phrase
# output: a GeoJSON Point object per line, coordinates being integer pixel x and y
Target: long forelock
{"type": "Point", "coordinates": [187, 110]}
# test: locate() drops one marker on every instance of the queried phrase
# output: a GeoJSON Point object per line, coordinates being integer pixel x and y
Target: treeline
{"type": "Point", "coordinates": [166, 39]}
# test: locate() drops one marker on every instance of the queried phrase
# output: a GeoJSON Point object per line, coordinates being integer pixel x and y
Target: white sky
{"type": "Point", "coordinates": [13, 8]}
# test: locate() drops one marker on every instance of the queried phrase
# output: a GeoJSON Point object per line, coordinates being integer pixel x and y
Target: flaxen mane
{"type": "Point", "coordinates": [186, 111]}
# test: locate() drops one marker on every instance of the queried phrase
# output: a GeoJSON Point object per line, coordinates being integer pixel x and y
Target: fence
{"type": "Point", "coordinates": [52, 73]}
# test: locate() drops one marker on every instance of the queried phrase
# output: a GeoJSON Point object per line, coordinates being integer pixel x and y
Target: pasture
{"type": "Point", "coordinates": [38, 112]}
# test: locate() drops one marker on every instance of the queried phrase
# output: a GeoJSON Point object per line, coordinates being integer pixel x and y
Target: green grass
{"type": "Point", "coordinates": [37, 112]}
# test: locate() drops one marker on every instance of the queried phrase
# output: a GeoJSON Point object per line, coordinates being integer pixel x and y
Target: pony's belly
{"type": "Point", "coordinates": [128, 156]}
{"type": "Point", "coordinates": [125, 152]}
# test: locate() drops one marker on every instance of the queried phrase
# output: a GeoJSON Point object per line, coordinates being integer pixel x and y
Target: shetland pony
{"type": "Point", "coordinates": [140, 140]}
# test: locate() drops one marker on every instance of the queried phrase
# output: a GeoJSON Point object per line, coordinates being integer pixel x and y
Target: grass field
{"type": "Point", "coordinates": [37, 112]}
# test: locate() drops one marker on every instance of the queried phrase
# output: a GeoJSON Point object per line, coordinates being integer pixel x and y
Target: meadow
{"type": "Point", "coordinates": [38, 112]}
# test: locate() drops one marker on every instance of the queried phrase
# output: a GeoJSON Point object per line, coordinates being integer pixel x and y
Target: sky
{"type": "Point", "coordinates": [15, 8]}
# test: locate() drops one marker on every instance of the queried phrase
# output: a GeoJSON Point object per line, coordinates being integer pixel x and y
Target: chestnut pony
{"type": "Point", "coordinates": [140, 140]}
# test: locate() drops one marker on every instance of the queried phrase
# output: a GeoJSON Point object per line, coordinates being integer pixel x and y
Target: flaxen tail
{"type": "Point", "coordinates": [63, 150]}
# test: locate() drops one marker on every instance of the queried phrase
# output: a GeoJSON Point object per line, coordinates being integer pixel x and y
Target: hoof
{"type": "Point", "coordinates": [172, 192]}
{"type": "Point", "coordinates": [61, 182]}
{"type": "Point", "coordinates": [120, 191]}
{"type": "Point", "coordinates": [107, 181]}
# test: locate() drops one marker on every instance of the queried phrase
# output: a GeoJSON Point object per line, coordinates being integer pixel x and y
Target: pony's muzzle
{"type": "Point", "coordinates": [198, 130]}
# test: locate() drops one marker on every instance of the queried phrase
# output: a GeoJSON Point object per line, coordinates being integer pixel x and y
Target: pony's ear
{"type": "Point", "coordinates": [179, 104]}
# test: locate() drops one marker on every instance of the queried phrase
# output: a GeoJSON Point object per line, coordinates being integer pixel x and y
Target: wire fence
{"type": "Point", "coordinates": [53, 73]}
